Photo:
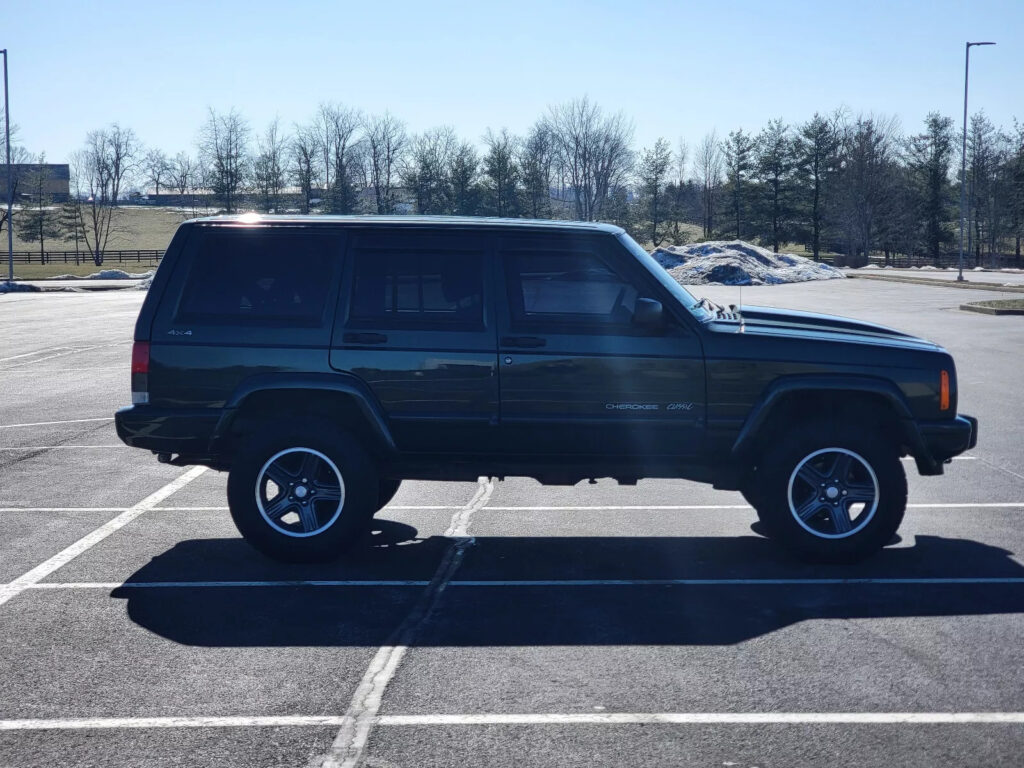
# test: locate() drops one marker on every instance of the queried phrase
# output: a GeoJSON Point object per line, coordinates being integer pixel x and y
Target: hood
{"type": "Point", "coordinates": [788, 322]}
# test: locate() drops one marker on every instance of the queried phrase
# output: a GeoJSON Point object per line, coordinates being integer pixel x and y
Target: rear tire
{"type": "Point", "coordinates": [300, 493]}
{"type": "Point", "coordinates": [832, 493]}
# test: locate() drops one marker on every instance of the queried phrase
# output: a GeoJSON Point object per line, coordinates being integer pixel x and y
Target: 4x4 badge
{"type": "Point", "coordinates": [176, 332]}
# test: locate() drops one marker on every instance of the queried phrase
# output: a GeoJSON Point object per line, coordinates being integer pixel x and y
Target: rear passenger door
{"type": "Point", "coordinates": [416, 325]}
{"type": "Point", "coordinates": [577, 377]}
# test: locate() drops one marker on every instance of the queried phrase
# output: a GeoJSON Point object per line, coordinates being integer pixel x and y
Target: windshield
{"type": "Point", "coordinates": [699, 309]}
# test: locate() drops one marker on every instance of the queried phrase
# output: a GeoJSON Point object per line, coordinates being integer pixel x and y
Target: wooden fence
{"type": "Point", "coordinates": [145, 257]}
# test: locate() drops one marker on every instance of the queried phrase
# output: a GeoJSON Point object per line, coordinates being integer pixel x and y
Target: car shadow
{"type": "Point", "coordinates": [733, 589]}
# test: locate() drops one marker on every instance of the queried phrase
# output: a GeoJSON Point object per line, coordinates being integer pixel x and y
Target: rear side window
{"type": "Point", "coordinates": [416, 287]}
{"type": "Point", "coordinates": [259, 277]}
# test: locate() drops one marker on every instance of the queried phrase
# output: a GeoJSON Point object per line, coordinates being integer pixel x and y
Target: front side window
{"type": "Point", "coordinates": [409, 287]}
{"type": "Point", "coordinates": [257, 277]}
{"type": "Point", "coordinates": [566, 286]}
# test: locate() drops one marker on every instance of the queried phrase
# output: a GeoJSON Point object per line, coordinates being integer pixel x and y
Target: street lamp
{"type": "Point", "coordinates": [963, 157]}
{"type": "Point", "coordinates": [10, 186]}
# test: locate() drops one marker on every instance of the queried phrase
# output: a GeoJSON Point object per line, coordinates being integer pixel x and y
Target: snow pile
{"type": "Point", "coordinates": [144, 285]}
{"type": "Point", "coordinates": [739, 263]}
{"type": "Point", "coordinates": [108, 274]}
{"type": "Point", "coordinates": [6, 287]}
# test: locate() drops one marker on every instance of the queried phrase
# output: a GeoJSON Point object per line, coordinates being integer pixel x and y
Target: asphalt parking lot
{"type": "Point", "coordinates": [496, 623]}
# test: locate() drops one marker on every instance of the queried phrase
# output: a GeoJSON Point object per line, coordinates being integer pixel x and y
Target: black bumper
{"type": "Point", "coordinates": [942, 440]}
{"type": "Point", "coordinates": [168, 430]}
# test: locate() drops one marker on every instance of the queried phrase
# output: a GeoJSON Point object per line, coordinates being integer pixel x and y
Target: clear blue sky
{"type": "Point", "coordinates": [677, 69]}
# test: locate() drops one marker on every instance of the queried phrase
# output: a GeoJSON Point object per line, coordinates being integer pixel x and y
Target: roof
{"type": "Point", "coordinates": [455, 222]}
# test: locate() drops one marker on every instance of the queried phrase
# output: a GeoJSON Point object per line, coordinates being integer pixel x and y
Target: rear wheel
{"type": "Point", "coordinates": [300, 494]}
{"type": "Point", "coordinates": [832, 493]}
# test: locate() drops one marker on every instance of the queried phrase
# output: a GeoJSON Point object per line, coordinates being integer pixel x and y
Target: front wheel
{"type": "Point", "coordinates": [300, 494]}
{"type": "Point", "coordinates": [833, 493]}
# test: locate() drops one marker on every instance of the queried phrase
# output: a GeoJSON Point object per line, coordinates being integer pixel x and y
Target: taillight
{"type": "Point", "coordinates": [944, 391]}
{"type": "Point", "coordinates": [140, 373]}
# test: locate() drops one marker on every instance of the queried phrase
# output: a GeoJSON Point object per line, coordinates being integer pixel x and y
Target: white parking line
{"type": "Point", "coordinates": [751, 582]}
{"type": "Point", "coordinates": [50, 423]}
{"type": "Point", "coordinates": [56, 447]}
{"type": "Point", "coordinates": [348, 746]}
{"type": "Point", "coordinates": [65, 556]}
{"type": "Point", "coordinates": [574, 718]}
{"type": "Point", "coordinates": [698, 507]}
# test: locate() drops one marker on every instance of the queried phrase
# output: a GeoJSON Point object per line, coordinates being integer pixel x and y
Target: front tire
{"type": "Point", "coordinates": [832, 493]}
{"type": "Point", "coordinates": [300, 493]}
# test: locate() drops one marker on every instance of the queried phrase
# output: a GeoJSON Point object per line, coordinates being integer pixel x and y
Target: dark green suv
{"type": "Point", "coordinates": [321, 360]}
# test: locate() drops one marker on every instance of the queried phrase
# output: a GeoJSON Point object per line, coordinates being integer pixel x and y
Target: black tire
{"type": "Point", "coordinates": [388, 488]}
{"type": "Point", "coordinates": [316, 530]}
{"type": "Point", "coordinates": [839, 522]}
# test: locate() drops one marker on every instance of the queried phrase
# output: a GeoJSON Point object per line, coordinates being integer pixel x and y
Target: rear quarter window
{"type": "Point", "coordinates": [259, 277]}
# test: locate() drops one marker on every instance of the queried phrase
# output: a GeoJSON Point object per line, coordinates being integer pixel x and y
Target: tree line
{"type": "Point", "coordinates": [836, 183]}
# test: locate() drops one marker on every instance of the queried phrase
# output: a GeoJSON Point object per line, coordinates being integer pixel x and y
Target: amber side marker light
{"type": "Point", "coordinates": [944, 391]}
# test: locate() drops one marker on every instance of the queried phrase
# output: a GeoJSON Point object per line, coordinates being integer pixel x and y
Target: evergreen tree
{"type": "Point", "coordinates": [931, 154]}
{"type": "Point", "coordinates": [817, 152]}
{"type": "Point", "coordinates": [738, 150]}
{"type": "Point", "coordinates": [40, 221]}
{"type": "Point", "coordinates": [774, 168]}
{"type": "Point", "coordinates": [654, 168]}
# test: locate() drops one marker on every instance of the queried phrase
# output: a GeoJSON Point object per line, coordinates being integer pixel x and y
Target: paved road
{"type": "Point", "coordinates": [592, 625]}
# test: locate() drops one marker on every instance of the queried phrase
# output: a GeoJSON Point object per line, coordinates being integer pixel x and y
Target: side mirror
{"type": "Point", "coordinates": [649, 314]}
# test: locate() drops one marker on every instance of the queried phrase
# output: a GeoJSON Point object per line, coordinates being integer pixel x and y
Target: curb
{"type": "Point", "coordinates": [990, 310]}
{"type": "Point", "coordinates": [943, 283]}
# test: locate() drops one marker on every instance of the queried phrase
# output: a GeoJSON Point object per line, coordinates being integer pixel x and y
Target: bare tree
{"type": "Point", "coordinates": [224, 155]}
{"type": "Point", "coordinates": [91, 174]}
{"type": "Point", "coordinates": [869, 147]}
{"type": "Point", "coordinates": [268, 167]}
{"type": "Point", "coordinates": [116, 151]}
{"type": "Point", "coordinates": [593, 150]}
{"type": "Point", "coordinates": [335, 128]}
{"type": "Point", "coordinates": [305, 169]}
{"type": "Point", "coordinates": [157, 169]}
{"type": "Point", "coordinates": [19, 156]}
{"type": "Point", "coordinates": [708, 166]}
{"type": "Point", "coordinates": [386, 142]}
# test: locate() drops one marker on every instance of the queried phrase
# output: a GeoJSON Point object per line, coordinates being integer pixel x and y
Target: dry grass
{"type": "Point", "coordinates": [135, 227]}
{"type": "Point", "coordinates": [43, 271]}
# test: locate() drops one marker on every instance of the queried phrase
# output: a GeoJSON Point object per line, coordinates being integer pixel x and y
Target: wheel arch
{"type": "Point", "coordinates": [864, 399]}
{"type": "Point", "coordinates": [342, 398]}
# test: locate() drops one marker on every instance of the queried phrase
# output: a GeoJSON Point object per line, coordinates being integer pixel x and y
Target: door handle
{"type": "Point", "coordinates": [523, 341]}
{"type": "Point", "coordinates": [364, 338]}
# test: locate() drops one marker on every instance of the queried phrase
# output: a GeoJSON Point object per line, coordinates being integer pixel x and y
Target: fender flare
{"type": "Point", "coordinates": [336, 383]}
{"type": "Point", "coordinates": [782, 387]}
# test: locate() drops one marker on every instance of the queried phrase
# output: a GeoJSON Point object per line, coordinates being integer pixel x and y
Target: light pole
{"type": "Point", "coordinates": [963, 158]}
{"type": "Point", "coordinates": [10, 187]}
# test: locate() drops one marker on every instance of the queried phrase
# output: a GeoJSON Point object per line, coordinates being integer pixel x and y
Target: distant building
{"type": "Point", "coordinates": [56, 180]}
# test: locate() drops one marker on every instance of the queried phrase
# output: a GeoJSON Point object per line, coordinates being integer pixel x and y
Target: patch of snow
{"type": "Point", "coordinates": [108, 274]}
{"type": "Point", "coordinates": [737, 262]}
{"type": "Point", "coordinates": [144, 285]}
{"type": "Point", "coordinates": [6, 287]}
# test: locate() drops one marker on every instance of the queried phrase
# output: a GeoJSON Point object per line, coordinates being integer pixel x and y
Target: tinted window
{"type": "Point", "coordinates": [411, 287]}
{"type": "Point", "coordinates": [566, 285]}
{"type": "Point", "coordinates": [259, 277]}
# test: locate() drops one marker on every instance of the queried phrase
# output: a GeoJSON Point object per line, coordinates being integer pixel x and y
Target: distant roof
{"type": "Point", "coordinates": [415, 221]}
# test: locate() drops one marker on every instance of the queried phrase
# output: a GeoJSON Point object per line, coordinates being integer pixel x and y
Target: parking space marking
{"type": "Point", "coordinates": [348, 746]}
{"type": "Point", "coordinates": [573, 718]}
{"type": "Point", "coordinates": [50, 423]}
{"type": "Point", "coordinates": [697, 507]}
{"type": "Point", "coordinates": [752, 582]}
{"type": "Point", "coordinates": [56, 447]}
{"type": "Point", "coordinates": [66, 351]}
{"type": "Point", "coordinates": [65, 556]}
